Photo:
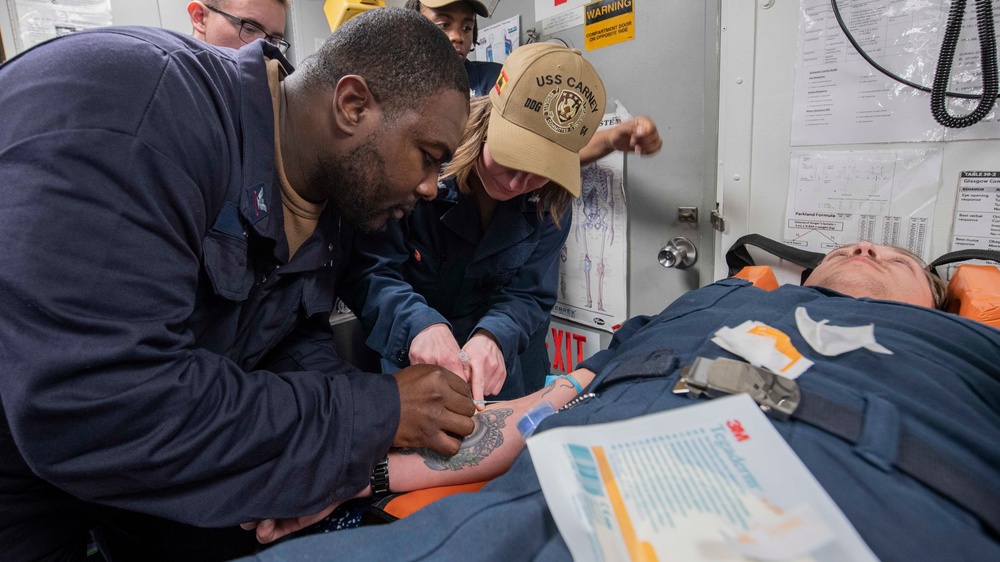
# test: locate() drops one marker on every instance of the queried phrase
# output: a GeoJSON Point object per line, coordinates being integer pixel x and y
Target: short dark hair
{"type": "Point", "coordinates": [415, 5]}
{"type": "Point", "coordinates": [402, 56]}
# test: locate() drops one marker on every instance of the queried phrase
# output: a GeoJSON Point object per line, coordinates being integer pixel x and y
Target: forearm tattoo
{"type": "Point", "coordinates": [485, 438]}
{"type": "Point", "coordinates": [559, 383]}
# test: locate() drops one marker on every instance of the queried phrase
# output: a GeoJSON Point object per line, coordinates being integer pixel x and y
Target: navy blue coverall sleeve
{"type": "Point", "coordinates": [392, 312]}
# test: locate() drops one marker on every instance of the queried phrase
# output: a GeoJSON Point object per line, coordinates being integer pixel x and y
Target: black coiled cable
{"type": "Point", "coordinates": [988, 58]}
{"type": "Point", "coordinates": [987, 61]}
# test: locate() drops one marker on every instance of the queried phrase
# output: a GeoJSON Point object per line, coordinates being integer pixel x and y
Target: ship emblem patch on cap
{"type": "Point", "coordinates": [501, 81]}
{"type": "Point", "coordinates": [563, 110]}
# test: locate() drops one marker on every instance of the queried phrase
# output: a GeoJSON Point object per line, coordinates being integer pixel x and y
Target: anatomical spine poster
{"type": "Point", "coordinates": [593, 272]}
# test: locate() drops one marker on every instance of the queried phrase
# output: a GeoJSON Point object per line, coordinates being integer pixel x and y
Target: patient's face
{"type": "Point", "coordinates": [878, 272]}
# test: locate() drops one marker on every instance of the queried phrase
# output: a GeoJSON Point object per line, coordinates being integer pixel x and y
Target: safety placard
{"type": "Point", "coordinates": [607, 22]}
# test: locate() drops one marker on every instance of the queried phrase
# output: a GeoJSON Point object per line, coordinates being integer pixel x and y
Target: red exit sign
{"type": "Point", "coordinates": [566, 343]}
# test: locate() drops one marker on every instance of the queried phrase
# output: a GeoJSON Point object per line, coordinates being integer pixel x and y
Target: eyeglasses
{"type": "Point", "coordinates": [250, 32]}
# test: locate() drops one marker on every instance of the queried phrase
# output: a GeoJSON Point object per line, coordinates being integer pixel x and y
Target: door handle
{"type": "Point", "coordinates": [679, 253]}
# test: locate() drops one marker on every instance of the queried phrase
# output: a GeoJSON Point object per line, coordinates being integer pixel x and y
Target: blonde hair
{"type": "Point", "coordinates": [552, 197]}
{"type": "Point", "coordinates": [939, 288]}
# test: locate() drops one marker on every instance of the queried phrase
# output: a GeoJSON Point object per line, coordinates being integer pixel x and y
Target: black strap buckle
{"type": "Point", "coordinates": [777, 396]}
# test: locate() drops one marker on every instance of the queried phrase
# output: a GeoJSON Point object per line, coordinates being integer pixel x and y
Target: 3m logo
{"type": "Point", "coordinates": [558, 2]}
{"type": "Point", "coordinates": [736, 428]}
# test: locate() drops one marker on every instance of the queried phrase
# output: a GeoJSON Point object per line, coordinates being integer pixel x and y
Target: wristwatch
{"type": "Point", "coordinates": [380, 477]}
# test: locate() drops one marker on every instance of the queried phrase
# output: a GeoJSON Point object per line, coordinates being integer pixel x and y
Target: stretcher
{"type": "Point", "coordinates": [973, 292]}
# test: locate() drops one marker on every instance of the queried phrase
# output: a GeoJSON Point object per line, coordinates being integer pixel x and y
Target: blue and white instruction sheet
{"type": "Point", "coordinates": [712, 481]}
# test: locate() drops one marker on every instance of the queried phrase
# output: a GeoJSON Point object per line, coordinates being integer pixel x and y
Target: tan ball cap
{"type": "Point", "coordinates": [547, 104]}
{"type": "Point", "coordinates": [476, 5]}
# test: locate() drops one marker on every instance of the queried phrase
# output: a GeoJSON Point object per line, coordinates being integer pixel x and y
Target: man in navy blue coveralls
{"type": "Point", "coordinates": [175, 218]}
{"type": "Point", "coordinates": [935, 399]}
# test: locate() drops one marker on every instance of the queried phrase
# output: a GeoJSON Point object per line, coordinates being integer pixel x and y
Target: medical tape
{"type": "Point", "coordinates": [530, 420]}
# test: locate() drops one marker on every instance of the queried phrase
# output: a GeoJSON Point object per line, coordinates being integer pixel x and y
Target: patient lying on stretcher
{"type": "Point", "coordinates": [862, 271]}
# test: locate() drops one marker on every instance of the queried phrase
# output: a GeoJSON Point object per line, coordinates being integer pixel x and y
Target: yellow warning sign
{"type": "Point", "coordinates": [607, 22]}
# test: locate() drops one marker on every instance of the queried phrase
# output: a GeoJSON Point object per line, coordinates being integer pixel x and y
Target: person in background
{"type": "Point", "coordinates": [919, 476]}
{"type": "Point", "coordinates": [234, 23]}
{"type": "Point", "coordinates": [166, 361]}
{"type": "Point", "coordinates": [457, 19]}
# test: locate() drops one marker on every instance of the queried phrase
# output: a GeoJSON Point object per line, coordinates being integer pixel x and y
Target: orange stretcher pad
{"type": "Point", "coordinates": [973, 292]}
{"type": "Point", "coordinates": [405, 504]}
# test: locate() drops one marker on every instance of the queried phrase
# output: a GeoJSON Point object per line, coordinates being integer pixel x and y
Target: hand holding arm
{"type": "Point", "coordinates": [486, 363]}
{"type": "Point", "coordinates": [488, 452]}
{"type": "Point", "coordinates": [436, 345]}
{"type": "Point", "coordinates": [638, 135]}
{"type": "Point", "coordinates": [435, 409]}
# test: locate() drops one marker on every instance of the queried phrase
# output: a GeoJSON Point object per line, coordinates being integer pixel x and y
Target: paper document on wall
{"type": "Point", "coordinates": [548, 8]}
{"type": "Point", "coordinates": [884, 197]}
{"type": "Point", "coordinates": [712, 481]}
{"type": "Point", "coordinates": [840, 98]}
{"type": "Point", "coordinates": [977, 214]}
{"type": "Point", "coordinates": [36, 21]}
{"type": "Point", "coordinates": [499, 40]}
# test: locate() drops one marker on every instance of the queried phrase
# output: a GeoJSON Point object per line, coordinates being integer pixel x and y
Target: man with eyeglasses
{"type": "Point", "coordinates": [234, 23]}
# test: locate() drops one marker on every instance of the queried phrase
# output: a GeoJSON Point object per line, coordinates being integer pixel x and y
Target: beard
{"type": "Point", "coordinates": [355, 184]}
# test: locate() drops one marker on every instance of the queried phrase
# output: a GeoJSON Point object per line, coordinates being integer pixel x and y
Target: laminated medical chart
{"type": "Point", "coordinates": [498, 40]}
{"type": "Point", "coordinates": [841, 99]}
{"type": "Point", "coordinates": [977, 214]}
{"type": "Point", "coordinates": [593, 268]}
{"type": "Point", "coordinates": [711, 481]}
{"type": "Point", "coordinates": [36, 21]}
{"type": "Point", "coordinates": [881, 196]}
